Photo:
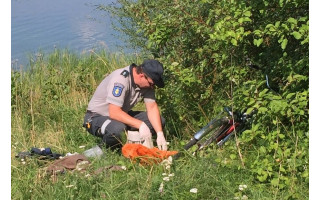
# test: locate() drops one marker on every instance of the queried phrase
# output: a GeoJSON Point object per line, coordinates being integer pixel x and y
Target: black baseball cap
{"type": "Point", "coordinates": [154, 70]}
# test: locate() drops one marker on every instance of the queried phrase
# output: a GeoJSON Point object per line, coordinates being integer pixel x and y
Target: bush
{"type": "Point", "coordinates": [206, 47]}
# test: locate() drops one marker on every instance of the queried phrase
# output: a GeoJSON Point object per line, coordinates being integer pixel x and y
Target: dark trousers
{"type": "Point", "coordinates": [111, 130]}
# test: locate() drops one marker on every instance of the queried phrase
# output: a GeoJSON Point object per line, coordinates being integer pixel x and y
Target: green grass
{"type": "Point", "coordinates": [48, 102]}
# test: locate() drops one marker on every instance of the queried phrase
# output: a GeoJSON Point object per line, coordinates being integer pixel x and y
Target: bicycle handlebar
{"type": "Point", "coordinates": [228, 110]}
{"type": "Point", "coordinates": [238, 116]}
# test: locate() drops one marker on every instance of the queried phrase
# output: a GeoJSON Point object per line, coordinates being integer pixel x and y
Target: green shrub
{"type": "Point", "coordinates": [206, 47]}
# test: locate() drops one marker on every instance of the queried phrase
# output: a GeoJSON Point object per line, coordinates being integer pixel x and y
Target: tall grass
{"type": "Point", "coordinates": [48, 102]}
{"type": "Point", "coordinates": [50, 98]}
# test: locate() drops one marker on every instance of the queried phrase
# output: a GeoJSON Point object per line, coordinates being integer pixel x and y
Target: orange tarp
{"type": "Point", "coordinates": [138, 152]}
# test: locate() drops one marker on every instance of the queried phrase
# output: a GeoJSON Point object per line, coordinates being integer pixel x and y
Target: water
{"type": "Point", "coordinates": [43, 25]}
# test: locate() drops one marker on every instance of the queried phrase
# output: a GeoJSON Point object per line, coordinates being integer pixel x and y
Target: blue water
{"type": "Point", "coordinates": [43, 25]}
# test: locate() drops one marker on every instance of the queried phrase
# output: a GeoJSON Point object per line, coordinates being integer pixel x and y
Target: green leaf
{"type": "Point", "coordinates": [269, 25]}
{"type": "Point", "coordinates": [263, 110]}
{"type": "Point", "coordinates": [282, 169]}
{"type": "Point", "coordinates": [281, 3]}
{"type": "Point", "coordinates": [247, 13]}
{"type": "Point", "coordinates": [275, 181]}
{"type": "Point", "coordinates": [296, 35]}
{"type": "Point", "coordinates": [263, 92]}
{"type": "Point", "coordinates": [263, 177]}
{"type": "Point", "coordinates": [257, 32]}
{"type": "Point", "coordinates": [233, 156]}
{"type": "Point", "coordinates": [234, 42]}
{"type": "Point", "coordinates": [262, 150]}
{"type": "Point", "coordinates": [285, 27]}
{"type": "Point", "coordinates": [252, 101]}
{"type": "Point", "coordinates": [257, 42]}
{"type": "Point", "coordinates": [272, 28]}
{"type": "Point", "coordinates": [284, 44]}
{"type": "Point", "coordinates": [290, 95]}
{"type": "Point", "coordinates": [245, 93]}
{"type": "Point", "coordinates": [292, 20]}
{"type": "Point", "coordinates": [247, 19]}
{"type": "Point", "coordinates": [299, 77]}
{"type": "Point", "coordinates": [255, 127]}
{"type": "Point", "coordinates": [305, 173]}
{"type": "Point", "coordinates": [303, 19]}
{"type": "Point", "coordinates": [175, 64]}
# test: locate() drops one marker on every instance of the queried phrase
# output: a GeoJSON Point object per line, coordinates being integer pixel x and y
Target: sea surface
{"type": "Point", "coordinates": [40, 26]}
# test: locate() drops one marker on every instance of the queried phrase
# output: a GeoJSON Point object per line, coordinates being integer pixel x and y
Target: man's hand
{"type": "Point", "coordinates": [146, 135]}
{"type": "Point", "coordinates": [161, 141]}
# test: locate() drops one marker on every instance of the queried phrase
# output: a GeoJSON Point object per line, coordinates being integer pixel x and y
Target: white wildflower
{"type": "Point", "coordinates": [124, 167]}
{"type": "Point", "coordinates": [194, 190]}
{"type": "Point", "coordinates": [244, 197]}
{"type": "Point", "coordinates": [167, 161]}
{"type": "Point", "coordinates": [242, 187]}
{"type": "Point", "coordinates": [166, 178]}
{"type": "Point", "coordinates": [161, 187]}
{"type": "Point", "coordinates": [69, 186]}
{"type": "Point", "coordinates": [164, 174]}
{"type": "Point", "coordinates": [170, 175]}
{"type": "Point", "coordinates": [81, 147]}
{"type": "Point", "coordinates": [236, 198]}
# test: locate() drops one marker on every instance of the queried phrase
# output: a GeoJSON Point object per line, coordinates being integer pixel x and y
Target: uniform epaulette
{"type": "Point", "coordinates": [125, 73]}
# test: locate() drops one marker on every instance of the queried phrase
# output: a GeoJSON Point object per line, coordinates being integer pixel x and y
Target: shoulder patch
{"type": "Point", "coordinates": [117, 89]}
{"type": "Point", "coordinates": [125, 73]}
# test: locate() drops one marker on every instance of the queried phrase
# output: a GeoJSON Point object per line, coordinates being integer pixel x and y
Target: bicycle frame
{"type": "Point", "coordinates": [228, 131]}
{"type": "Point", "coordinates": [224, 133]}
{"type": "Point", "coordinates": [222, 128]}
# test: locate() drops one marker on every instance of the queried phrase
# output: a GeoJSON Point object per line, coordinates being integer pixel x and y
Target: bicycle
{"type": "Point", "coordinates": [222, 128]}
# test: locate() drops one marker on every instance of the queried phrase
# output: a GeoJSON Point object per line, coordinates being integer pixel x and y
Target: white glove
{"type": "Point", "coordinates": [146, 135]}
{"type": "Point", "coordinates": [161, 141]}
